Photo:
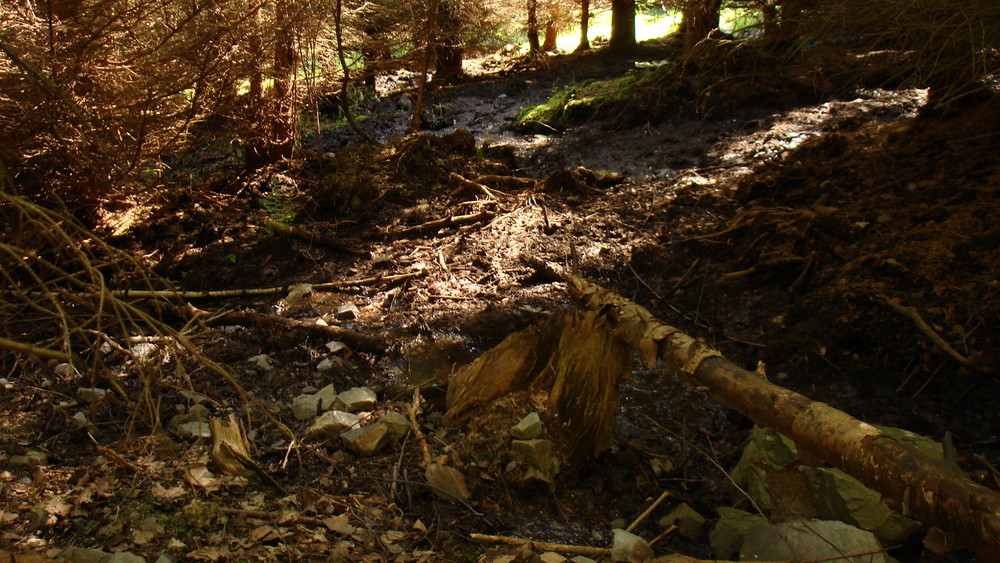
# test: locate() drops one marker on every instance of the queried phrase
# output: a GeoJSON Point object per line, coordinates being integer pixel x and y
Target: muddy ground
{"type": "Point", "coordinates": [776, 234]}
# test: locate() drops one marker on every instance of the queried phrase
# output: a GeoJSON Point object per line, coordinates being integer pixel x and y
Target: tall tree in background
{"type": "Point", "coordinates": [274, 110]}
{"type": "Point", "coordinates": [622, 26]}
{"type": "Point", "coordinates": [449, 50]}
{"type": "Point", "coordinates": [584, 26]}
{"type": "Point", "coordinates": [534, 47]}
{"type": "Point", "coordinates": [701, 17]}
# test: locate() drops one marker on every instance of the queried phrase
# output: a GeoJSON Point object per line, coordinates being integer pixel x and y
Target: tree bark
{"type": "Point", "coordinates": [449, 51]}
{"type": "Point", "coordinates": [622, 26]}
{"type": "Point", "coordinates": [701, 17]}
{"type": "Point", "coordinates": [584, 26]}
{"type": "Point", "coordinates": [533, 45]}
{"type": "Point", "coordinates": [931, 491]}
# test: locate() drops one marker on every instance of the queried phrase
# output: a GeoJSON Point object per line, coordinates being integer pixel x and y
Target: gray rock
{"type": "Point", "coordinates": [90, 394]}
{"type": "Point", "coordinates": [31, 458]}
{"type": "Point", "coordinates": [809, 540]}
{"type": "Point", "coordinates": [37, 516]}
{"type": "Point", "coordinates": [347, 312]}
{"type": "Point", "coordinates": [689, 523]}
{"type": "Point", "coordinates": [397, 424]}
{"type": "Point", "coordinates": [448, 482]}
{"type": "Point", "coordinates": [538, 453]}
{"type": "Point", "coordinates": [355, 399]}
{"type": "Point", "coordinates": [528, 428]}
{"type": "Point", "coordinates": [326, 396]}
{"type": "Point", "coordinates": [326, 364]}
{"type": "Point", "coordinates": [336, 347]}
{"type": "Point", "coordinates": [726, 538]}
{"type": "Point", "coordinates": [836, 495]}
{"type": "Point", "coordinates": [262, 361]}
{"type": "Point", "coordinates": [305, 407]}
{"type": "Point", "coordinates": [367, 440]}
{"type": "Point", "coordinates": [194, 430]}
{"type": "Point", "coordinates": [199, 412]}
{"type": "Point", "coordinates": [81, 555]}
{"type": "Point", "coordinates": [630, 548]}
{"type": "Point", "coordinates": [331, 424]}
{"type": "Point", "coordinates": [122, 557]}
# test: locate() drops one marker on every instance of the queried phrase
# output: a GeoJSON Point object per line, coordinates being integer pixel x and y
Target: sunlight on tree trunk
{"type": "Point", "coordinates": [622, 26]}
{"type": "Point", "coordinates": [533, 46]}
{"type": "Point", "coordinates": [701, 17]}
{"type": "Point", "coordinates": [584, 26]}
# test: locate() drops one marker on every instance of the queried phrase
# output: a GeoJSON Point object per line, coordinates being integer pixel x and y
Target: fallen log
{"type": "Point", "coordinates": [933, 492]}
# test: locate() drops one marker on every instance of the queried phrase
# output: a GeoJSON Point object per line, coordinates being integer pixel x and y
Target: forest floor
{"type": "Point", "coordinates": [775, 234]}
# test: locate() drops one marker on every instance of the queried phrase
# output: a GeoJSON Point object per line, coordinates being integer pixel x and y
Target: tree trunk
{"type": "Point", "coordinates": [622, 26]}
{"type": "Point", "coordinates": [533, 46]}
{"type": "Point", "coordinates": [551, 34]}
{"type": "Point", "coordinates": [701, 17]}
{"type": "Point", "coordinates": [584, 26]}
{"type": "Point", "coordinates": [449, 51]}
{"type": "Point", "coordinates": [933, 492]}
{"type": "Point", "coordinates": [272, 134]}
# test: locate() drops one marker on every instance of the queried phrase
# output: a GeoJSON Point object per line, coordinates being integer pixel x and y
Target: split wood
{"type": "Point", "coordinates": [912, 314]}
{"type": "Point", "coordinates": [584, 550]}
{"type": "Point", "coordinates": [928, 490]}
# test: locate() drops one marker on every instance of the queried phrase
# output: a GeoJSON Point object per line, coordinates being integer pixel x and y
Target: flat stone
{"type": "Point", "coordinates": [194, 430]}
{"type": "Point", "coordinates": [82, 555]}
{"type": "Point", "coordinates": [90, 394]}
{"type": "Point", "coordinates": [305, 407]}
{"type": "Point", "coordinates": [331, 424]}
{"type": "Point", "coordinates": [355, 399]}
{"type": "Point", "coordinates": [326, 364]}
{"type": "Point", "coordinates": [689, 523]}
{"type": "Point", "coordinates": [630, 548]}
{"type": "Point", "coordinates": [336, 346]}
{"type": "Point", "coordinates": [262, 361]}
{"type": "Point", "coordinates": [30, 459]}
{"type": "Point", "coordinates": [123, 557]}
{"type": "Point", "coordinates": [448, 482]}
{"type": "Point", "coordinates": [326, 396]}
{"type": "Point", "coordinates": [538, 453]}
{"type": "Point", "coordinates": [347, 312]}
{"type": "Point", "coordinates": [199, 412]}
{"type": "Point", "coordinates": [811, 539]}
{"type": "Point", "coordinates": [726, 538]}
{"type": "Point", "coordinates": [528, 428]}
{"type": "Point", "coordinates": [367, 440]}
{"type": "Point", "coordinates": [397, 424]}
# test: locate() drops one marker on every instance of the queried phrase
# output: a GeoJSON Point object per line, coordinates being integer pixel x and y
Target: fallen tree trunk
{"type": "Point", "coordinates": [927, 490]}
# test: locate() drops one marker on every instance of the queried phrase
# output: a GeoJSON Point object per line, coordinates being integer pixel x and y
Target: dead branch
{"type": "Point", "coordinates": [584, 550]}
{"type": "Point", "coordinates": [356, 340]}
{"type": "Point", "coordinates": [438, 224]}
{"type": "Point", "coordinates": [646, 512]}
{"type": "Point", "coordinates": [912, 314]}
{"type": "Point", "coordinates": [506, 182]}
{"type": "Point", "coordinates": [467, 184]}
{"type": "Point", "coordinates": [931, 491]}
{"type": "Point", "coordinates": [302, 233]}
{"type": "Point", "coordinates": [225, 293]}
{"type": "Point", "coordinates": [32, 350]}
{"type": "Point", "coordinates": [412, 413]}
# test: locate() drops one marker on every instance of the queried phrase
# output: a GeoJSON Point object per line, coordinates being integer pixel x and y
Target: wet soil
{"type": "Point", "coordinates": [777, 235]}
